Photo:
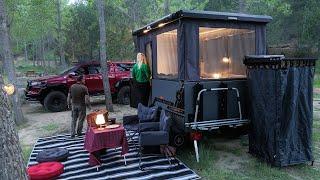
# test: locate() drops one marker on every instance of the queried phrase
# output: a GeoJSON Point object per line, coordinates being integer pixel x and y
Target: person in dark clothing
{"type": "Point", "coordinates": [141, 74]}
{"type": "Point", "coordinates": [78, 98]}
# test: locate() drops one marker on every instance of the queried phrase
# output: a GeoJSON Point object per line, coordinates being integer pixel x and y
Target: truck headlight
{"type": "Point", "coordinates": [35, 83]}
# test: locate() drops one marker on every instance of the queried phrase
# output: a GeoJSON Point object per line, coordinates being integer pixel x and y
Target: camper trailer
{"type": "Point", "coordinates": [196, 58]}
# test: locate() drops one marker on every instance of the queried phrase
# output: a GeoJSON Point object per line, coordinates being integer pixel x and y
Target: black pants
{"type": "Point", "coordinates": [142, 92]}
{"type": "Point", "coordinates": [78, 116]}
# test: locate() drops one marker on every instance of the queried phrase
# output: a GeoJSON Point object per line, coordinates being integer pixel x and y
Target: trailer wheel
{"type": "Point", "coordinates": [178, 140]}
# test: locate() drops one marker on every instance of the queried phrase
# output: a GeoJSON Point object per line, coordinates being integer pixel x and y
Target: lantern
{"type": "Point", "coordinates": [9, 89]}
{"type": "Point", "coordinates": [100, 121]}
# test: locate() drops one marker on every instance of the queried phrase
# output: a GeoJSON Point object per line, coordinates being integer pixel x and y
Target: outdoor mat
{"type": "Point", "coordinates": [77, 167]}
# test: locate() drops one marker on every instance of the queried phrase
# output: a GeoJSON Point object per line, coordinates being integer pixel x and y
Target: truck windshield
{"type": "Point", "coordinates": [66, 71]}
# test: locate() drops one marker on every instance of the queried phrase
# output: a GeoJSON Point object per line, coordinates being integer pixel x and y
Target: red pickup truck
{"type": "Point", "coordinates": [52, 91]}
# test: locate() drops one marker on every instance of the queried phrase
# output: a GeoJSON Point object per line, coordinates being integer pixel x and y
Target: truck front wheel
{"type": "Point", "coordinates": [55, 101]}
{"type": "Point", "coordinates": [124, 95]}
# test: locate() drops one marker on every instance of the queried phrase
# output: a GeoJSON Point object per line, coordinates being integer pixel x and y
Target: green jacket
{"type": "Point", "coordinates": [141, 75]}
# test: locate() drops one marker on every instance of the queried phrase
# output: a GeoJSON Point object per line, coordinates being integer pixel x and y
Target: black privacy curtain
{"type": "Point", "coordinates": [281, 109]}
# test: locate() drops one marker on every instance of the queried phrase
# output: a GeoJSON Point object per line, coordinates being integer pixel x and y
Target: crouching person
{"type": "Point", "coordinates": [78, 98]}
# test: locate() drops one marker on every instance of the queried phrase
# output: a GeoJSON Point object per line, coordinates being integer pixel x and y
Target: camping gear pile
{"type": "Point", "coordinates": [49, 164]}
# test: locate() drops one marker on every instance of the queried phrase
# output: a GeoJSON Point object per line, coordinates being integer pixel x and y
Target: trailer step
{"type": "Point", "coordinates": [216, 124]}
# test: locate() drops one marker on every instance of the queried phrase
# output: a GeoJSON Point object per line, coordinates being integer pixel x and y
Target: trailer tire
{"type": "Point", "coordinates": [55, 101]}
{"type": "Point", "coordinates": [178, 140]}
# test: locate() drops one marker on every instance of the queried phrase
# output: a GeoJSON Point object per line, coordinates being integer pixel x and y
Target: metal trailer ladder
{"type": "Point", "coordinates": [215, 124]}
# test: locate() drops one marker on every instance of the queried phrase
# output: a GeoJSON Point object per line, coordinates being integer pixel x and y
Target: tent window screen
{"type": "Point", "coordinates": [149, 55]}
{"type": "Point", "coordinates": [222, 51]}
{"type": "Point", "coordinates": [167, 55]}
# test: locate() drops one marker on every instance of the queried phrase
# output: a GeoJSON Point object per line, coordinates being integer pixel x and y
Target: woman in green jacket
{"type": "Point", "coordinates": [141, 75]}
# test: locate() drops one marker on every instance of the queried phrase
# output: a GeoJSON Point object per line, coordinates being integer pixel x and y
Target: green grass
{"type": "Point", "coordinates": [223, 158]}
{"type": "Point", "coordinates": [206, 168]}
{"type": "Point", "coordinates": [24, 66]}
{"type": "Point", "coordinates": [214, 163]}
{"type": "Point", "coordinates": [256, 169]}
{"type": "Point", "coordinates": [316, 82]}
{"type": "Point", "coordinates": [316, 124]}
{"type": "Point", "coordinates": [316, 135]}
{"type": "Point", "coordinates": [22, 126]}
{"type": "Point", "coordinates": [50, 127]}
{"type": "Point", "coordinates": [317, 76]}
{"type": "Point", "coordinates": [26, 151]}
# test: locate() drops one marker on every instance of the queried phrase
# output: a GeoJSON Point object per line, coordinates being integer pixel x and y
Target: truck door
{"type": "Point", "coordinates": [112, 77]}
{"type": "Point", "coordinates": [94, 79]}
{"type": "Point", "coordinates": [81, 70]}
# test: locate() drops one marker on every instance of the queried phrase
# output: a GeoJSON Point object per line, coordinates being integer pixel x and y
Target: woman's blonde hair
{"type": "Point", "coordinates": [141, 57]}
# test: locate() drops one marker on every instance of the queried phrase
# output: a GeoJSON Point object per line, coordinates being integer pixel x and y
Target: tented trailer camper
{"type": "Point", "coordinates": [196, 58]}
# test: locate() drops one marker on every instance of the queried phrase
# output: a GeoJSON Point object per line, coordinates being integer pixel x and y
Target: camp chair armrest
{"type": "Point", "coordinates": [154, 138]}
{"type": "Point", "coordinates": [149, 126]}
{"type": "Point", "coordinates": [155, 119]}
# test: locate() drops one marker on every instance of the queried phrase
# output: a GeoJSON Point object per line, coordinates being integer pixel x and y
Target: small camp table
{"type": "Point", "coordinates": [98, 140]}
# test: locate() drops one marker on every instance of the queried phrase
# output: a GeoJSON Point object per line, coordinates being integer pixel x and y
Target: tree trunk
{"type": "Point", "coordinates": [37, 53]}
{"type": "Point", "coordinates": [73, 56]}
{"type": "Point", "coordinates": [48, 49]}
{"type": "Point", "coordinates": [33, 55]}
{"type": "Point", "coordinates": [7, 53]}
{"type": "Point", "coordinates": [12, 164]}
{"type": "Point", "coordinates": [166, 7]}
{"type": "Point", "coordinates": [39, 58]}
{"type": "Point", "coordinates": [242, 6]}
{"type": "Point", "coordinates": [61, 50]}
{"type": "Point", "coordinates": [42, 43]}
{"type": "Point", "coordinates": [133, 13]}
{"type": "Point", "coordinates": [25, 52]}
{"type": "Point", "coordinates": [103, 55]}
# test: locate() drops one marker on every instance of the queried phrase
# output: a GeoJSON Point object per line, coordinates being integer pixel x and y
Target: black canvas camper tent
{"type": "Point", "coordinates": [281, 108]}
{"type": "Point", "coordinates": [198, 55]}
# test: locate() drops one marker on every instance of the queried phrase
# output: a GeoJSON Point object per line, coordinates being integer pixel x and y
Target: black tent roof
{"type": "Point", "coordinates": [209, 15]}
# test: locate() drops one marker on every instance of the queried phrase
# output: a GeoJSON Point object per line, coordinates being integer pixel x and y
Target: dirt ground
{"type": "Point", "coordinates": [41, 123]}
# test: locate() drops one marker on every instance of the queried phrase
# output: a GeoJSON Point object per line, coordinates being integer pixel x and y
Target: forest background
{"type": "Point", "coordinates": [50, 34]}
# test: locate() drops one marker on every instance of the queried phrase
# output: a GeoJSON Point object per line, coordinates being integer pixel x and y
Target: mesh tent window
{"type": "Point", "coordinates": [221, 51]}
{"type": "Point", "coordinates": [167, 55]}
{"type": "Point", "coordinates": [149, 55]}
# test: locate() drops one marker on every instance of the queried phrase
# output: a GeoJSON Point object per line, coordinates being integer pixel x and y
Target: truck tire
{"type": "Point", "coordinates": [55, 101]}
{"type": "Point", "coordinates": [124, 95]}
{"type": "Point", "coordinates": [42, 102]}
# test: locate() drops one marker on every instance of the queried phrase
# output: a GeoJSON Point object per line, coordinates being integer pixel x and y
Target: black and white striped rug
{"type": "Point", "coordinates": [77, 167]}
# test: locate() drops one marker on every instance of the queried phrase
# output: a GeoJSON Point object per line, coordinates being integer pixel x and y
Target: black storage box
{"type": "Point", "coordinates": [281, 93]}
